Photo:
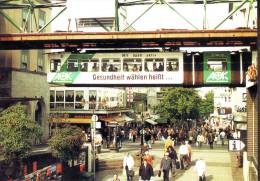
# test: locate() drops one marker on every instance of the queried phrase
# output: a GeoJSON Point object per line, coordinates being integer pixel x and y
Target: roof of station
{"type": "Point", "coordinates": [144, 39]}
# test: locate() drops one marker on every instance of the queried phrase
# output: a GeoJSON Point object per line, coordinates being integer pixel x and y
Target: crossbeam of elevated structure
{"type": "Point", "coordinates": [145, 39]}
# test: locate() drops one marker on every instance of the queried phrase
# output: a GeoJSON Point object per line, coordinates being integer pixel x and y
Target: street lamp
{"type": "Point", "coordinates": [142, 130]}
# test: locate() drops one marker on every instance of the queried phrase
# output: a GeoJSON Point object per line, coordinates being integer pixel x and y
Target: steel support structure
{"type": "Point", "coordinates": [169, 3]}
{"type": "Point", "coordinates": [31, 16]}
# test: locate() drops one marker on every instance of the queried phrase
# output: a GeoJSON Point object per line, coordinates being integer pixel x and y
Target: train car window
{"type": "Point", "coordinates": [172, 65]}
{"type": "Point", "coordinates": [111, 65]}
{"type": "Point", "coordinates": [132, 65]}
{"type": "Point", "coordinates": [72, 65]}
{"type": "Point", "coordinates": [55, 65]}
{"type": "Point", "coordinates": [69, 96]}
{"type": "Point", "coordinates": [59, 96]}
{"type": "Point", "coordinates": [84, 65]}
{"type": "Point", "coordinates": [217, 65]}
{"type": "Point", "coordinates": [154, 65]}
{"type": "Point", "coordinates": [93, 65]}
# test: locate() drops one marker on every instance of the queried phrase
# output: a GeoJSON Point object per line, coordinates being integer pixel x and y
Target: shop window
{"type": "Point", "coordinates": [55, 65]}
{"type": "Point", "coordinates": [42, 19]}
{"type": "Point", "coordinates": [52, 105]}
{"type": "Point", "coordinates": [72, 65]}
{"type": "Point", "coordinates": [172, 65]}
{"type": "Point", "coordinates": [59, 96]}
{"type": "Point", "coordinates": [69, 106]}
{"type": "Point", "coordinates": [59, 106]}
{"type": "Point", "coordinates": [69, 96]}
{"type": "Point", "coordinates": [52, 96]}
{"type": "Point", "coordinates": [153, 65]}
{"type": "Point", "coordinates": [79, 96]}
{"type": "Point", "coordinates": [92, 99]}
{"type": "Point", "coordinates": [132, 65]}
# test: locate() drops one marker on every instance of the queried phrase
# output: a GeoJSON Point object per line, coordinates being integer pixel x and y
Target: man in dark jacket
{"type": "Point", "coordinates": [166, 165]}
{"type": "Point", "coordinates": [145, 171]}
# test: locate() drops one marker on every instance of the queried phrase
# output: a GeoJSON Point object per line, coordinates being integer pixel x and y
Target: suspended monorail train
{"type": "Point", "coordinates": [150, 68]}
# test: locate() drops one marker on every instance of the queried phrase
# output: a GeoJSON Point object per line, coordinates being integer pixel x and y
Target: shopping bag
{"type": "Point", "coordinates": [159, 173]}
{"type": "Point", "coordinates": [177, 165]}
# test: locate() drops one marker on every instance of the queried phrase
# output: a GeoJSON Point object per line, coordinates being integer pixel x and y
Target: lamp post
{"type": "Point", "coordinates": [142, 130]}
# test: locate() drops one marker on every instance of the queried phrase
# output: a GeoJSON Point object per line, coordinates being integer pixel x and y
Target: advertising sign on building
{"type": "Point", "coordinates": [216, 67]}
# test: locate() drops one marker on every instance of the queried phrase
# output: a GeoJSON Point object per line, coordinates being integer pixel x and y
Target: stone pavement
{"type": "Point", "coordinates": [220, 164]}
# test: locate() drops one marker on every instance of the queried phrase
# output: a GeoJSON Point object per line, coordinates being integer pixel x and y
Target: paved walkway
{"type": "Point", "coordinates": [220, 166]}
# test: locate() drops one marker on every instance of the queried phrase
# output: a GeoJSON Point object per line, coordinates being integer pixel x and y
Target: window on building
{"type": "Point", "coordinates": [41, 60]}
{"type": "Point", "coordinates": [25, 59]}
{"type": "Point", "coordinates": [26, 19]}
{"type": "Point", "coordinates": [59, 96]}
{"type": "Point", "coordinates": [79, 100]}
{"type": "Point", "coordinates": [69, 96]}
{"type": "Point", "coordinates": [172, 65]}
{"type": "Point", "coordinates": [52, 96]}
{"type": "Point", "coordinates": [55, 65]}
{"type": "Point", "coordinates": [42, 19]}
{"type": "Point", "coordinates": [132, 65]}
{"type": "Point", "coordinates": [92, 99]}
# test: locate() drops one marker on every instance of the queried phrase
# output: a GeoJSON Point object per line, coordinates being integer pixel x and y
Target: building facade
{"type": "Point", "coordinates": [23, 72]}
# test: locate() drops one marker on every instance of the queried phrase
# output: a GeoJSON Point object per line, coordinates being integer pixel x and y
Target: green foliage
{"type": "Point", "coordinates": [207, 105]}
{"type": "Point", "coordinates": [18, 132]}
{"type": "Point", "coordinates": [67, 142]}
{"type": "Point", "coordinates": [179, 104]}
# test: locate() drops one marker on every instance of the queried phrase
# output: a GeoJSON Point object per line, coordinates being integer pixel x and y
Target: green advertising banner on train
{"type": "Point", "coordinates": [216, 67]}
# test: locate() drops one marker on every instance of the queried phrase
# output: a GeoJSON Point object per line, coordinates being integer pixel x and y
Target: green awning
{"type": "Point", "coordinates": [162, 120]}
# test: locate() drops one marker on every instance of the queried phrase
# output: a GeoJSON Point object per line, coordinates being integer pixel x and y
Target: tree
{"type": "Point", "coordinates": [207, 105]}
{"type": "Point", "coordinates": [18, 132]}
{"type": "Point", "coordinates": [66, 142]}
{"type": "Point", "coordinates": [179, 104]}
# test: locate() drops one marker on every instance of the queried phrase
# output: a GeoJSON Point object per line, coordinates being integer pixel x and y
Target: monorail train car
{"type": "Point", "coordinates": [150, 68]}
{"type": "Point", "coordinates": [116, 68]}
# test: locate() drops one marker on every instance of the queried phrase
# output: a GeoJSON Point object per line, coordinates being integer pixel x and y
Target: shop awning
{"type": "Point", "coordinates": [72, 120]}
{"type": "Point", "coordinates": [151, 121]}
{"type": "Point", "coordinates": [128, 119]}
{"type": "Point", "coordinates": [161, 120]}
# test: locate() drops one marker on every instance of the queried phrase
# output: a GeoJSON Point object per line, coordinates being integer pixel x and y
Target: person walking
{"type": "Point", "coordinates": [145, 171]}
{"type": "Point", "coordinates": [200, 168]}
{"type": "Point", "coordinates": [184, 153]}
{"type": "Point", "coordinates": [148, 157]}
{"type": "Point", "coordinates": [128, 165]}
{"type": "Point", "coordinates": [166, 165]}
{"type": "Point", "coordinates": [222, 137]}
{"type": "Point", "coordinates": [190, 152]}
{"type": "Point", "coordinates": [115, 178]}
{"type": "Point", "coordinates": [173, 155]}
{"type": "Point", "coordinates": [168, 143]}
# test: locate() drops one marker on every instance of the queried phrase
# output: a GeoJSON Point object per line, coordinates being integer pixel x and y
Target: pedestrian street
{"type": "Point", "coordinates": [218, 163]}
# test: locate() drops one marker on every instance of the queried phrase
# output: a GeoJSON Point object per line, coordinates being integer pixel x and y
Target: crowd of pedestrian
{"type": "Point", "coordinates": [184, 137]}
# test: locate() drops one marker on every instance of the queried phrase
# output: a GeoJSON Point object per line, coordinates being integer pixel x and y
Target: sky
{"type": "Point", "coordinates": [158, 17]}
